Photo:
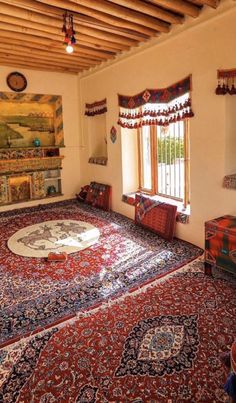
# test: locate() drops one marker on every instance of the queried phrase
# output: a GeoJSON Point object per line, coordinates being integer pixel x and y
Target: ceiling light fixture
{"type": "Point", "coordinates": [68, 30]}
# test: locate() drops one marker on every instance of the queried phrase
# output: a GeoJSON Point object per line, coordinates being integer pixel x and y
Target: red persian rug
{"type": "Point", "coordinates": [160, 344]}
{"type": "Point", "coordinates": [36, 293]}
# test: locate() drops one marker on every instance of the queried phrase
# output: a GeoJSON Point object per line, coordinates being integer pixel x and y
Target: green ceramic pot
{"type": "Point", "coordinates": [36, 142]}
{"type": "Point", "coordinates": [51, 190]}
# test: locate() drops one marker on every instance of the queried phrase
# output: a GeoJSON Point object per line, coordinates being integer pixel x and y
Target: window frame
{"type": "Point", "coordinates": [154, 164]}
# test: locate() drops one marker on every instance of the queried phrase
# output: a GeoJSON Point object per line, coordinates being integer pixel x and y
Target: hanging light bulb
{"type": "Point", "coordinates": [69, 48]}
{"type": "Point", "coordinates": [68, 30]}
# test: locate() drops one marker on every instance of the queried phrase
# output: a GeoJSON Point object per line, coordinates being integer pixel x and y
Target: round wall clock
{"type": "Point", "coordinates": [16, 81]}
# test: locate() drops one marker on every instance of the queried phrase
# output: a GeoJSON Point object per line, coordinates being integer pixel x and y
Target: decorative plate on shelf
{"type": "Point", "coordinates": [16, 81]}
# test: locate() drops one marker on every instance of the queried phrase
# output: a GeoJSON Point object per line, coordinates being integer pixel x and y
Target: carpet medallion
{"type": "Point", "coordinates": [159, 344]}
{"type": "Point", "coordinates": [35, 293]}
{"type": "Point", "coordinates": [154, 343]}
{"type": "Point", "coordinates": [53, 236]}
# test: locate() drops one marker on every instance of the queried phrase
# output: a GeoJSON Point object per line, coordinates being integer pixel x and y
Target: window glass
{"type": "Point", "coordinates": [170, 160]}
{"type": "Point", "coordinates": [145, 153]}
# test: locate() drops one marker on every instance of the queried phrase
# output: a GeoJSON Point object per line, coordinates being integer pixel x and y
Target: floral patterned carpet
{"type": "Point", "coordinates": [159, 344]}
{"type": "Point", "coordinates": [35, 293]}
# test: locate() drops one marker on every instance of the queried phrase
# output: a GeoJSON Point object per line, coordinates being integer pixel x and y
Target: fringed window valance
{"type": "Point", "coordinates": [97, 108]}
{"type": "Point", "coordinates": [156, 107]}
{"type": "Point", "coordinates": [226, 82]}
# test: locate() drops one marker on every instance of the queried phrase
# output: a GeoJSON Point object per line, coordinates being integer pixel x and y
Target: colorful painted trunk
{"type": "Point", "coordinates": [220, 243]}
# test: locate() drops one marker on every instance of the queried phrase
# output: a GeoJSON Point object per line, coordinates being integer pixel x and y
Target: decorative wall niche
{"type": "Point", "coordinates": [31, 134]}
{"type": "Point", "coordinates": [96, 128]}
{"type": "Point", "coordinates": [25, 117]}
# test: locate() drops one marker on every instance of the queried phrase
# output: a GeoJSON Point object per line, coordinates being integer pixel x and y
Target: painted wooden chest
{"type": "Point", "coordinates": [220, 243]}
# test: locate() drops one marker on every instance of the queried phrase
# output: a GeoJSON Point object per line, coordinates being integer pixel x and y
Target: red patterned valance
{"type": "Point", "coordinates": [226, 80]}
{"type": "Point", "coordinates": [156, 116]}
{"type": "Point", "coordinates": [97, 108]}
{"type": "Point", "coordinates": [156, 107]}
{"type": "Point", "coordinates": [157, 96]}
{"type": "Point", "coordinates": [226, 73]}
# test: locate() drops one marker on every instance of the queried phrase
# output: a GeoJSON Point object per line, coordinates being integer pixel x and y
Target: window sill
{"type": "Point", "coordinates": [182, 215]}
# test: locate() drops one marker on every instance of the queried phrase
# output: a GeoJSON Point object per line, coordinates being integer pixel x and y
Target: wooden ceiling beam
{"type": "Point", "coordinates": [55, 51]}
{"type": "Point", "coordinates": [113, 38]}
{"type": "Point", "coordinates": [34, 41]}
{"type": "Point", "coordinates": [7, 60]}
{"type": "Point", "coordinates": [36, 61]}
{"type": "Point", "coordinates": [47, 56]}
{"type": "Point", "coordinates": [21, 17]}
{"type": "Point", "coordinates": [97, 17]}
{"type": "Point", "coordinates": [123, 32]}
{"type": "Point", "coordinates": [210, 3]}
{"type": "Point", "coordinates": [180, 6]}
{"type": "Point", "coordinates": [149, 9]}
{"type": "Point", "coordinates": [16, 65]}
{"type": "Point", "coordinates": [101, 42]}
{"type": "Point", "coordinates": [112, 9]}
{"type": "Point", "coordinates": [17, 27]}
{"type": "Point", "coordinates": [89, 44]}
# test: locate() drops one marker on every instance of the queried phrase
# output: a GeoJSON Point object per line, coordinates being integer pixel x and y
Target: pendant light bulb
{"type": "Point", "coordinates": [69, 49]}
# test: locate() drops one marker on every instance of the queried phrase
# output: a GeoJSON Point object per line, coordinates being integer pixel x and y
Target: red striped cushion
{"type": "Point", "coordinates": [161, 219]}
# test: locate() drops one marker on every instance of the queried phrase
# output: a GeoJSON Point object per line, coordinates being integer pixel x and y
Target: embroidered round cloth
{"type": "Point", "coordinates": [53, 236]}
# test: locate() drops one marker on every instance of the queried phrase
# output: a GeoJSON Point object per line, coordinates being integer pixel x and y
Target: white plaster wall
{"type": "Point", "coordinates": [200, 50]}
{"type": "Point", "coordinates": [66, 85]}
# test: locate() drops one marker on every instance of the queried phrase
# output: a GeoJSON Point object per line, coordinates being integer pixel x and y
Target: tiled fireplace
{"type": "Point", "coordinates": [29, 174]}
{"type": "Point", "coordinates": [19, 188]}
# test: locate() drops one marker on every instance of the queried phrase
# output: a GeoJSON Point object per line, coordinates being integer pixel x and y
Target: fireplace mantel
{"type": "Point", "coordinates": [29, 164]}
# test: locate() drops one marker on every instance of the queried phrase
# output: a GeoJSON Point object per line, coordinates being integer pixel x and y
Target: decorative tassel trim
{"type": "Point", "coordinates": [160, 117]}
{"type": "Point", "coordinates": [96, 108]}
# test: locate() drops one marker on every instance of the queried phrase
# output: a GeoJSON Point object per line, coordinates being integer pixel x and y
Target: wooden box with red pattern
{"type": "Point", "coordinates": [220, 244]}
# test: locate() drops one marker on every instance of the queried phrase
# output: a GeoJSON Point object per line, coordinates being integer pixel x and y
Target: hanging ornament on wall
{"type": "Point", "coordinates": [96, 108]}
{"type": "Point", "coordinates": [68, 30]}
{"type": "Point", "coordinates": [226, 82]}
{"type": "Point", "coordinates": [113, 134]}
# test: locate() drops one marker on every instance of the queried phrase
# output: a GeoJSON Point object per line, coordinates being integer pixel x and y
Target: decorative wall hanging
{"type": "Point", "coordinates": [113, 134]}
{"type": "Point", "coordinates": [97, 108]}
{"type": "Point", "coordinates": [229, 181]}
{"type": "Point", "coordinates": [168, 105]}
{"type": "Point", "coordinates": [226, 82]}
{"type": "Point", "coordinates": [68, 30]}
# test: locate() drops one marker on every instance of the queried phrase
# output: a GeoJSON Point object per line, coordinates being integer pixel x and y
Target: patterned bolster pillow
{"type": "Point", "coordinates": [81, 196]}
{"type": "Point", "coordinates": [99, 195]}
{"type": "Point", "coordinates": [57, 257]}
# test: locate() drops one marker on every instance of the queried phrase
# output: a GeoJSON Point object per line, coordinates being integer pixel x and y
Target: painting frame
{"type": "Point", "coordinates": [55, 101]}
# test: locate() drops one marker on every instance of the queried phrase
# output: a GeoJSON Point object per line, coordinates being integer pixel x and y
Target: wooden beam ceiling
{"type": "Point", "coordinates": [31, 30]}
{"type": "Point", "coordinates": [210, 3]}
{"type": "Point", "coordinates": [179, 6]}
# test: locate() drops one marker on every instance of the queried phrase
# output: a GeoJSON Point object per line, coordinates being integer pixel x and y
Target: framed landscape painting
{"type": "Point", "coordinates": [26, 117]}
